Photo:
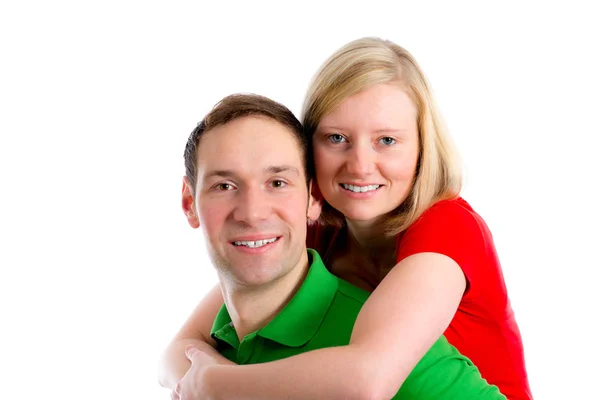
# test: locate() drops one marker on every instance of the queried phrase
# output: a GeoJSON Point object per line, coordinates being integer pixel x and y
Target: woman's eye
{"type": "Point", "coordinates": [336, 138]}
{"type": "Point", "coordinates": [387, 141]}
{"type": "Point", "coordinates": [278, 184]}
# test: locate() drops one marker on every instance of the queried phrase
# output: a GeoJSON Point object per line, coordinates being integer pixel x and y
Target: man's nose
{"type": "Point", "coordinates": [253, 206]}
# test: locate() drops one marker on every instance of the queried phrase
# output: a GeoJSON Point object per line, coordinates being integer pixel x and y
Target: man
{"type": "Point", "coordinates": [248, 185]}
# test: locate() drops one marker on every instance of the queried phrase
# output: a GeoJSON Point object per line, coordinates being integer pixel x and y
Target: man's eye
{"type": "Point", "coordinates": [387, 141]}
{"type": "Point", "coordinates": [224, 186]}
{"type": "Point", "coordinates": [278, 184]}
{"type": "Point", "coordinates": [336, 138]}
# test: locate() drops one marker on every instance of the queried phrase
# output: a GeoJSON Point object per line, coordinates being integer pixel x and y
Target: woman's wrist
{"type": "Point", "coordinates": [212, 382]}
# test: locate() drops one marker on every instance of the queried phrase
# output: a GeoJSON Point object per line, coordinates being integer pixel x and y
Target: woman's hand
{"type": "Point", "coordinates": [173, 364]}
{"type": "Point", "coordinates": [193, 385]}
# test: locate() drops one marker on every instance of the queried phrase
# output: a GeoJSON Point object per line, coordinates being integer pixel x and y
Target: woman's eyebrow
{"type": "Point", "coordinates": [391, 130]}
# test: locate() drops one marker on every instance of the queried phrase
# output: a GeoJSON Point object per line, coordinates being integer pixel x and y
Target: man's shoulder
{"type": "Point", "coordinates": [344, 291]}
{"type": "Point", "coordinates": [351, 293]}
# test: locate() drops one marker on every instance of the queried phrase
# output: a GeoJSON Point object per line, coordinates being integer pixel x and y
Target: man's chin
{"type": "Point", "coordinates": [255, 274]}
{"type": "Point", "coordinates": [255, 282]}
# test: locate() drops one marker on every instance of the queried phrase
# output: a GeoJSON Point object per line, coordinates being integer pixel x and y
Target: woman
{"type": "Point", "coordinates": [394, 224]}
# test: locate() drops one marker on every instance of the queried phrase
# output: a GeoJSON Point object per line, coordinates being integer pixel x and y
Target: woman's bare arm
{"type": "Point", "coordinates": [398, 324]}
{"type": "Point", "coordinates": [196, 330]}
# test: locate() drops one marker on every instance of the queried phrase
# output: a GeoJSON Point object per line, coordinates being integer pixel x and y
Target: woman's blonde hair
{"type": "Point", "coordinates": [361, 64]}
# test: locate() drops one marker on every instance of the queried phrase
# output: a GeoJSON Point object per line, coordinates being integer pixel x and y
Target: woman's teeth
{"type": "Point", "coordinates": [360, 189]}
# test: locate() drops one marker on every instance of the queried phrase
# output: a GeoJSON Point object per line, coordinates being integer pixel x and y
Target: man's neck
{"type": "Point", "coordinates": [252, 308]}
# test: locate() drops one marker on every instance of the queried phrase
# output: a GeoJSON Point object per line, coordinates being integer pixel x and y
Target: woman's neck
{"type": "Point", "coordinates": [370, 238]}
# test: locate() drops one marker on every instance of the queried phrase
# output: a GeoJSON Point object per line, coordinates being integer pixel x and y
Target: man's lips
{"type": "Point", "coordinates": [255, 241]}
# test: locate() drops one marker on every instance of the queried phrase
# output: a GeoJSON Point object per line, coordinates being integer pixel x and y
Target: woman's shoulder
{"type": "Point", "coordinates": [454, 229]}
{"type": "Point", "coordinates": [452, 217]}
{"type": "Point", "coordinates": [456, 207]}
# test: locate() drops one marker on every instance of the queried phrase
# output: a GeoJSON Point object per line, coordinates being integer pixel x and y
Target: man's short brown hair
{"type": "Point", "coordinates": [243, 105]}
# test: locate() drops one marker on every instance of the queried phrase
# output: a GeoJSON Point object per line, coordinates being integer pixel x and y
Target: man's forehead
{"type": "Point", "coordinates": [261, 145]}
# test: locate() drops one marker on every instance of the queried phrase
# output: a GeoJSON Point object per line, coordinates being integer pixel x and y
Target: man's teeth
{"type": "Point", "coordinates": [360, 189]}
{"type": "Point", "coordinates": [254, 243]}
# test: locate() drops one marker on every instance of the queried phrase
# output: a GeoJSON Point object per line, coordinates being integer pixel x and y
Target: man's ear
{"type": "Point", "coordinates": [315, 202]}
{"type": "Point", "coordinates": [187, 203]}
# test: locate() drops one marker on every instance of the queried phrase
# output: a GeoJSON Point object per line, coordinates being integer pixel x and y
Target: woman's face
{"type": "Point", "coordinates": [366, 152]}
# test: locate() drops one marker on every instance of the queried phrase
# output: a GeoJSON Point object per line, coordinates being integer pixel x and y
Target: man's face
{"type": "Point", "coordinates": [251, 200]}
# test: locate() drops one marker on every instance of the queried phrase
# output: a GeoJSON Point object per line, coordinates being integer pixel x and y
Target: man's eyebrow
{"type": "Point", "coordinates": [277, 169]}
{"type": "Point", "coordinates": [219, 173]}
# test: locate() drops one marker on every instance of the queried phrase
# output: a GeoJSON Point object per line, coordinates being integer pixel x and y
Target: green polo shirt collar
{"type": "Point", "coordinates": [300, 319]}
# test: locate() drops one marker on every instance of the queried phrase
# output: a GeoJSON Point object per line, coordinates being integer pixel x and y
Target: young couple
{"type": "Point", "coordinates": [411, 304]}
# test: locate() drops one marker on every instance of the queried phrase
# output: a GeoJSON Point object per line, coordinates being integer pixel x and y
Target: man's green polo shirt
{"type": "Point", "coordinates": [322, 314]}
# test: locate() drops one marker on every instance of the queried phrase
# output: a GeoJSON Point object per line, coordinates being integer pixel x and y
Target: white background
{"type": "Point", "coordinates": [98, 265]}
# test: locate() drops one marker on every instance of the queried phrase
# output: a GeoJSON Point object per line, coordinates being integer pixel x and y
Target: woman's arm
{"type": "Point", "coordinates": [196, 330]}
{"type": "Point", "coordinates": [400, 321]}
